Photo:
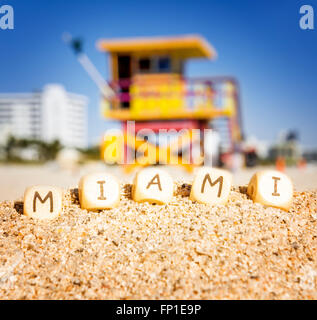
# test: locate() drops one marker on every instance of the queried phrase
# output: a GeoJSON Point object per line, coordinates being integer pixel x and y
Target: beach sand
{"type": "Point", "coordinates": [183, 250]}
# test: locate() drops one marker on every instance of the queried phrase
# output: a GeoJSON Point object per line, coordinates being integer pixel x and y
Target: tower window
{"type": "Point", "coordinates": [164, 64]}
{"type": "Point", "coordinates": [144, 64]}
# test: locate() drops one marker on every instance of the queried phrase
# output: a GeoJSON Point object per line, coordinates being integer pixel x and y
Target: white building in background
{"type": "Point", "coordinates": [52, 114]}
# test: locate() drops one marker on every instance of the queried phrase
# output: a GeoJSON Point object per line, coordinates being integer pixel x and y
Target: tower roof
{"type": "Point", "coordinates": [186, 46]}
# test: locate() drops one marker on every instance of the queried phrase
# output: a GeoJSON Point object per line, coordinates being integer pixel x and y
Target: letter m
{"type": "Point", "coordinates": [207, 178]}
{"type": "Point", "coordinates": [48, 196]}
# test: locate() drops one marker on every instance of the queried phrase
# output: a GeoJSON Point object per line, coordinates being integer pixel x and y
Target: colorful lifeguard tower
{"type": "Point", "coordinates": [147, 77]}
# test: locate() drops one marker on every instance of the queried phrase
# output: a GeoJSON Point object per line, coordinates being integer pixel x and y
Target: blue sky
{"type": "Point", "coordinates": [258, 42]}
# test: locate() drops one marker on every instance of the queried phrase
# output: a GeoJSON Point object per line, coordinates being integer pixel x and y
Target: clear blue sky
{"type": "Point", "coordinates": [258, 42]}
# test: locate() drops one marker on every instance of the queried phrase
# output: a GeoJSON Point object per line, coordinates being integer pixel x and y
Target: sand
{"type": "Point", "coordinates": [183, 250]}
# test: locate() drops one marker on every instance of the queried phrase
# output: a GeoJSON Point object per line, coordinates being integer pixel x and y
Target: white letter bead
{"type": "Point", "coordinates": [98, 191]}
{"type": "Point", "coordinates": [211, 186]}
{"type": "Point", "coordinates": [43, 202]}
{"type": "Point", "coordinates": [152, 185]}
{"type": "Point", "coordinates": [271, 188]}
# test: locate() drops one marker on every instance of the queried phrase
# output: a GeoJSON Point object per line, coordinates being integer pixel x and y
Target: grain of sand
{"type": "Point", "coordinates": [184, 250]}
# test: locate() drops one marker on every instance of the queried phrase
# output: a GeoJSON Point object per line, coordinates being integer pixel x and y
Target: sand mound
{"type": "Point", "coordinates": [183, 250]}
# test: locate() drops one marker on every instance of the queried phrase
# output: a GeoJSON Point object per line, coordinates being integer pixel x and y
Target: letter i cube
{"type": "Point", "coordinates": [271, 188]}
{"type": "Point", "coordinates": [98, 191]}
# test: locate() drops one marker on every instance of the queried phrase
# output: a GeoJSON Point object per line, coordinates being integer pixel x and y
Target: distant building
{"type": "Point", "coordinates": [52, 114]}
{"type": "Point", "coordinates": [310, 155]}
{"type": "Point", "coordinates": [287, 147]}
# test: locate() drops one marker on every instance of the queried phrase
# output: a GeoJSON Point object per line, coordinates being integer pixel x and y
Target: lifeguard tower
{"type": "Point", "coordinates": [147, 77]}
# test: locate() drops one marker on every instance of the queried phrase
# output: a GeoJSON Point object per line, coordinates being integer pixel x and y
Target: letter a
{"type": "Point", "coordinates": [6, 21]}
{"type": "Point", "coordinates": [155, 180]}
{"type": "Point", "coordinates": [307, 20]}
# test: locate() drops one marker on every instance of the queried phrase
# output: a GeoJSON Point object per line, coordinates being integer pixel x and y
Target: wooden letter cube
{"type": "Point", "coordinates": [43, 202]}
{"type": "Point", "coordinates": [211, 186]}
{"type": "Point", "coordinates": [98, 191]}
{"type": "Point", "coordinates": [152, 185]}
{"type": "Point", "coordinates": [271, 188]}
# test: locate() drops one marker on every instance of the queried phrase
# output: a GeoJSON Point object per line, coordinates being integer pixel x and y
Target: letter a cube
{"type": "Point", "coordinates": [211, 186]}
{"type": "Point", "coordinates": [271, 188]}
{"type": "Point", "coordinates": [43, 202]}
{"type": "Point", "coordinates": [98, 191]}
{"type": "Point", "coordinates": [152, 185]}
